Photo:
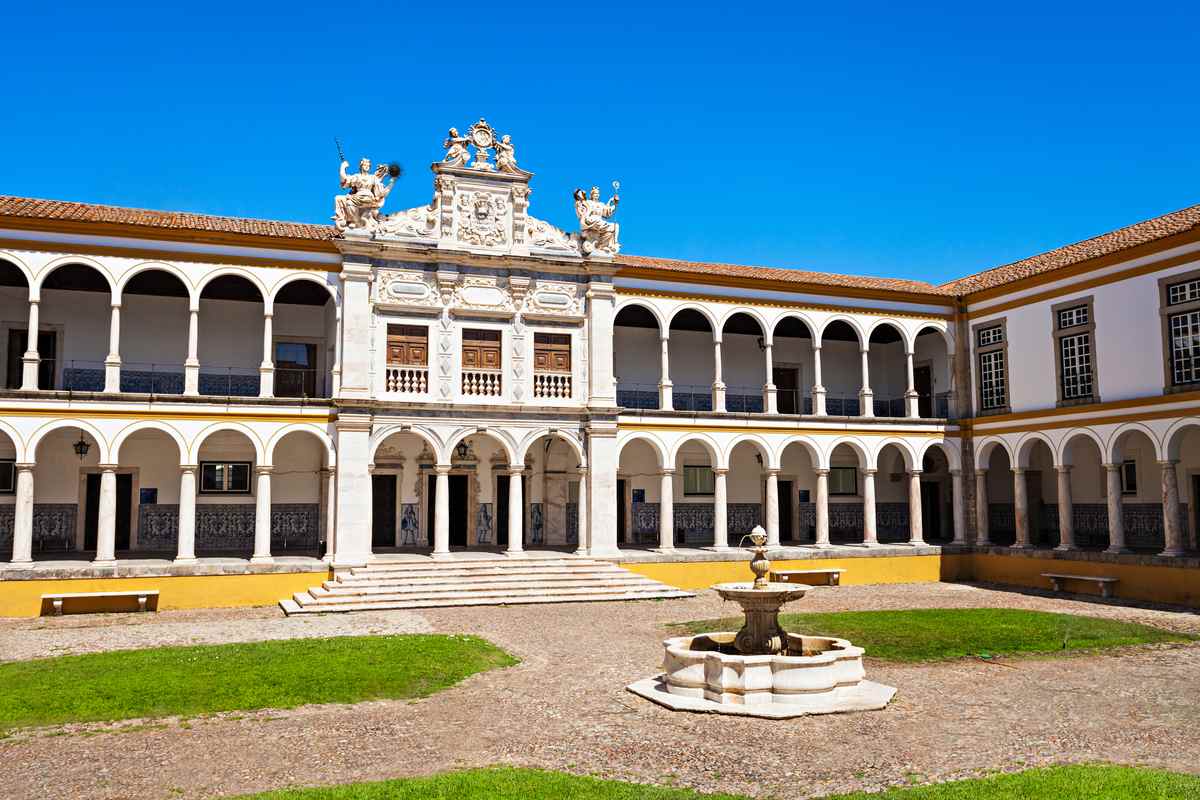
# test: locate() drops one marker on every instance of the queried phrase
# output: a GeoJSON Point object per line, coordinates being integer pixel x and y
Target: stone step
{"type": "Point", "coordinates": [476, 563]}
{"type": "Point", "coordinates": [290, 606]}
{"type": "Point", "coordinates": [499, 595]}
{"type": "Point", "coordinates": [436, 567]}
{"type": "Point", "coordinates": [475, 574]}
{"type": "Point", "coordinates": [490, 584]}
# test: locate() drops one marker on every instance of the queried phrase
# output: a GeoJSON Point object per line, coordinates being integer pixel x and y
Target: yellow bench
{"type": "Point", "coordinates": [833, 575]}
{"type": "Point", "coordinates": [1105, 584]}
{"type": "Point", "coordinates": [144, 598]}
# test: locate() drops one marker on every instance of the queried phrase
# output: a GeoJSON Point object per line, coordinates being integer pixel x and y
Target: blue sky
{"type": "Point", "coordinates": [905, 140]}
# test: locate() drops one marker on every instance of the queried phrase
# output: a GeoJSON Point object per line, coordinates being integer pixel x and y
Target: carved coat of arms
{"type": "Point", "coordinates": [482, 218]}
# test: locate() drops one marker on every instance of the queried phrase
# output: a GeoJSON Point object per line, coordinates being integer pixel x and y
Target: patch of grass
{"type": "Point", "coordinates": [186, 681]}
{"type": "Point", "coordinates": [506, 783]}
{"type": "Point", "coordinates": [934, 634]}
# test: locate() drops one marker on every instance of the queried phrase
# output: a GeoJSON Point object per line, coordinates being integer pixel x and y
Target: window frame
{"type": "Point", "coordinates": [712, 479]}
{"type": "Point", "coordinates": [979, 352]}
{"type": "Point", "coordinates": [226, 491]}
{"type": "Point", "coordinates": [854, 493]}
{"type": "Point", "coordinates": [1166, 311]}
{"type": "Point", "coordinates": [9, 464]}
{"type": "Point", "coordinates": [1129, 465]}
{"type": "Point", "coordinates": [1060, 334]}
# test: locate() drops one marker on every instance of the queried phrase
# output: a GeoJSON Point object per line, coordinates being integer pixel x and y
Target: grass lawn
{"type": "Point", "coordinates": [168, 681]}
{"type": "Point", "coordinates": [931, 634]}
{"type": "Point", "coordinates": [1059, 783]}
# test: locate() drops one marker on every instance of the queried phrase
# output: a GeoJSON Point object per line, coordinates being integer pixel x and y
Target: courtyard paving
{"type": "Point", "coordinates": [565, 707]}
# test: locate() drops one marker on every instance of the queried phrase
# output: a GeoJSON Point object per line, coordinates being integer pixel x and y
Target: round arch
{"type": "Point", "coordinates": [854, 326]}
{"type": "Point", "coordinates": [1112, 452]}
{"type": "Point", "coordinates": [506, 441]}
{"type": "Point", "coordinates": [660, 450]}
{"type": "Point", "coordinates": [299, 276]}
{"type": "Point", "coordinates": [760, 444]}
{"type": "Point", "coordinates": [1063, 454]}
{"type": "Point", "coordinates": [649, 308]}
{"type": "Point", "coordinates": [802, 318]}
{"type": "Point", "coordinates": [309, 429]}
{"type": "Point", "coordinates": [894, 325]}
{"type": "Point", "coordinates": [766, 330]}
{"type": "Point", "coordinates": [59, 424]}
{"type": "Point", "coordinates": [234, 271]}
{"type": "Point", "coordinates": [383, 434]}
{"type": "Point", "coordinates": [983, 453]}
{"type": "Point", "coordinates": [953, 456]}
{"type": "Point", "coordinates": [701, 310]}
{"type": "Point", "coordinates": [21, 266]}
{"type": "Point", "coordinates": [714, 450]}
{"type": "Point", "coordinates": [815, 455]}
{"type": "Point", "coordinates": [906, 452]}
{"type": "Point", "coordinates": [940, 330]}
{"type": "Point", "coordinates": [855, 445]}
{"type": "Point", "coordinates": [558, 434]}
{"type": "Point", "coordinates": [18, 442]}
{"type": "Point", "coordinates": [150, 425]}
{"type": "Point", "coordinates": [35, 290]}
{"type": "Point", "coordinates": [1025, 447]}
{"type": "Point", "coordinates": [255, 441]}
{"type": "Point", "coordinates": [1174, 437]}
{"type": "Point", "coordinates": [155, 266]}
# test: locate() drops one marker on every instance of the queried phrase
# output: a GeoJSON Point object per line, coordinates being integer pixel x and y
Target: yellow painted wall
{"type": "Point", "coordinates": [24, 598]}
{"type": "Point", "coordinates": [1157, 584]}
{"type": "Point", "coordinates": [883, 569]}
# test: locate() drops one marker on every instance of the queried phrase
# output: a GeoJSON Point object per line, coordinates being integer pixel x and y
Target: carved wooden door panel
{"type": "Point", "coordinates": [551, 352]}
{"type": "Point", "coordinates": [408, 345]}
{"type": "Point", "coordinates": [481, 349]}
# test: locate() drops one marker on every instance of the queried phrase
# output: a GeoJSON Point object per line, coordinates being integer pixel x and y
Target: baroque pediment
{"type": "Point", "coordinates": [488, 295]}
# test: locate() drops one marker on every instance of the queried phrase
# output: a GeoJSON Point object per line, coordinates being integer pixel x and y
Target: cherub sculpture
{"type": "Point", "coordinates": [596, 233]}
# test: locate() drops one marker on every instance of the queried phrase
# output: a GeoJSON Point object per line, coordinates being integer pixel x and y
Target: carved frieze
{"type": "Point", "coordinates": [559, 298]}
{"type": "Point", "coordinates": [405, 288]}
{"type": "Point", "coordinates": [483, 219]}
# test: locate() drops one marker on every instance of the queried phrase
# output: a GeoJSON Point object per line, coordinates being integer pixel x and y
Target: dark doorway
{"type": "Point", "coordinates": [383, 510]}
{"type": "Point", "coordinates": [785, 511]}
{"type": "Point", "coordinates": [787, 389]}
{"type": "Point", "coordinates": [923, 383]}
{"type": "Point", "coordinates": [501, 521]}
{"type": "Point", "coordinates": [621, 511]}
{"type": "Point", "coordinates": [18, 343]}
{"type": "Point", "coordinates": [931, 511]}
{"type": "Point", "coordinates": [458, 509]}
{"type": "Point", "coordinates": [91, 511]}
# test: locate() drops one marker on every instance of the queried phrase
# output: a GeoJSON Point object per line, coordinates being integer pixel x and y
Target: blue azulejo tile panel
{"type": "Point", "coordinates": [740, 519]}
{"type": "Point", "coordinates": [537, 524]}
{"type": "Point", "coordinates": [572, 523]}
{"type": "Point", "coordinates": [693, 523]}
{"type": "Point", "coordinates": [483, 524]}
{"type": "Point", "coordinates": [7, 517]}
{"type": "Point", "coordinates": [150, 382]}
{"type": "Point", "coordinates": [83, 380]}
{"type": "Point", "coordinates": [846, 522]}
{"type": "Point", "coordinates": [225, 527]}
{"type": "Point", "coordinates": [232, 385]}
{"type": "Point", "coordinates": [891, 522]}
{"type": "Point", "coordinates": [54, 526]}
{"type": "Point", "coordinates": [410, 534]}
{"type": "Point", "coordinates": [295, 526]}
{"type": "Point", "coordinates": [645, 522]}
{"type": "Point", "coordinates": [158, 527]}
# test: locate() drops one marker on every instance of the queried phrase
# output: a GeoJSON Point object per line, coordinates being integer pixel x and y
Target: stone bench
{"type": "Point", "coordinates": [833, 575]}
{"type": "Point", "coordinates": [143, 598]}
{"type": "Point", "coordinates": [1105, 584]}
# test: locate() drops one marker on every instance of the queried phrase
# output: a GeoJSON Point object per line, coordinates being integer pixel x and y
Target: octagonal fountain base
{"type": "Point", "coordinates": [813, 675]}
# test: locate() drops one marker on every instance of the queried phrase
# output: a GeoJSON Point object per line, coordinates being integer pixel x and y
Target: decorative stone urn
{"type": "Point", "coordinates": [762, 670]}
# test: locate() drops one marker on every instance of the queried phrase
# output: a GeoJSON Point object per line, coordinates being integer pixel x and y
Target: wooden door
{"type": "Point", "coordinates": [18, 343]}
{"type": "Point", "coordinates": [458, 510]}
{"type": "Point", "coordinates": [923, 383]}
{"type": "Point", "coordinates": [785, 510]}
{"type": "Point", "coordinates": [480, 349]}
{"type": "Point", "coordinates": [787, 390]}
{"type": "Point", "coordinates": [383, 511]}
{"type": "Point", "coordinates": [124, 510]}
{"type": "Point", "coordinates": [621, 511]}
{"type": "Point", "coordinates": [551, 352]}
{"type": "Point", "coordinates": [408, 345]}
{"type": "Point", "coordinates": [91, 511]}
{"type": "Point", "coordinates": [931, 511]}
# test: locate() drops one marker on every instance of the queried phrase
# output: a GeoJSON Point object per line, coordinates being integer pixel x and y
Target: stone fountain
{"type": "Point", "coordinates": [762, 670]}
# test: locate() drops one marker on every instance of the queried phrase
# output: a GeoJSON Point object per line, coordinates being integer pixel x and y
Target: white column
{"type": "Point", "coordinates": [602, 487]}
{"type": "Point", "coordinates": [1173, 535]}
{"type": "Point", "coordinates": [516, 510]}
{"type": "Point", "coordinates": [583, 546]}
{"type": "Point", "coordinates": [718, 387]}
{"type": "Point", "coordinates": [822, 521]}
{"type": "Point", "coordinates": [266, 372]}
{"type": "Point", "coordinates": [601, 312]}
{"type": "Point", "coordinates": [911, 405]}
{"type": "Point", "coordinates": [870, 523]}
{"type": "Point", "coordinates": [22, 554]}
{"type": "Point", "coordinates": [262, 517]}
{"type": "Point", "coordinates": [106, 528]}
{"type": "Point", "coordinates": [772, 508]}
{"type": "Point", "coordinates": [981, 508]}
{"type": "Point", "coordinates": [441, 511]}
{"type": "Point", "coordinates": [916, 526]}
{"type": "Point", "coordinates": [335, 372]}
{"type": "Point", "coordinates": [1066, 509]}
{"type": "Point", "coordinates": [770, 399]}
{"type": "Point", "coordinates": [664, 382]}
{"type": "Point", "coordinates": [112, 364]}
{"type": "Point", "coordinates": [866, 398]}
{"type": "Point", "coordinates": [1116, 522]}
{"type": "Point", "coordinates": [720, 509]}
{"type": "Point", "coordinates": [185, 548]}
{"type": "Point", "coordinates": [959, 506]}
{"type": "Point", "coordinates": [31, 359]}
{"type": "Point", "coordinates": [666, 511]}
{"type": "Point", "coordinates": [191, 366]}
{"type": "Point", "coordinates": [352, 543]}
{"type": "Point", "coordinates": [355, 361]}
{"type": "Point", "coordinates": [1020, 507]}
{"type": "Point", "coordinates": [818, 389]}
{"type": "Point", "coordinates": [331, 512]}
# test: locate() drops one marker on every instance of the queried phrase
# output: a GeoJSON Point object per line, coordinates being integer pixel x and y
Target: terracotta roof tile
{"type": "Point", "coordinates": [1106, 244]}
{"type": "Point", "coordinates": [173, 220]}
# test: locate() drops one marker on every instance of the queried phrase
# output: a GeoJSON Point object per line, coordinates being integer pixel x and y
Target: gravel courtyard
{"type": "Point", "coordinates": [565, 707]}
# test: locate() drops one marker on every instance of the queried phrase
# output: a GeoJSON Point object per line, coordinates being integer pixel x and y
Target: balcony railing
{"type": "Point", "coordinates": [298, 382]}
{"type": "Point", "coordinates": [400, 379]}
{"type": "Point", "coordinates": [552, 385]}
{"type": "Point", "coordinates": [482, 383]}
{"type": "Point", "coordinates": [643, 396]}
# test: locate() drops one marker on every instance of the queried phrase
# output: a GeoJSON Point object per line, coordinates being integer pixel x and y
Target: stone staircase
{"type": "Point", "coordinates": [490, 582]}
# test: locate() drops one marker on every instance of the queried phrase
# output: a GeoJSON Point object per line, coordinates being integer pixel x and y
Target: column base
{"type": "Point", "coordinates": [582, 551]}
{"type": "Point", "coordinates": [438, 556]}
{"type": "Point", "coordinates": [1063, 548]}
{"type": "Point", "coordinates": [1174, 553]}
{"type": "Point", "coordinates": [917, 543]}
{"type": "Point", "coordinates": [186, 561]}
{"type": "Point", "coordinates": [17, 565]}
{"type": "Point", "coordinates": [514, 553]}
{"type": "Point", "coordinates": [1119, 551]}
{"type": "Point", "coordinates": [262, 560]}
{"type": "Point", "coordinates": [663, 550]}
{"type": "Point", "coordinates": [718, 548]}
{"type": "Point", "coordinates": [108, 562]}
{"type": "Point", "coordinates": [1018, 546]}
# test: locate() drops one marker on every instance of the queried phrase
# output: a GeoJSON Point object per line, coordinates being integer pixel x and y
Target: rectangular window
{"type": "Point", "coordinates": [1185, 347]}
{"type": "Point", "coordinates": [480, 349]}
{"type": "Point", "coordinates": [993, 388]}
{"type": "Point", "coordinates": [551, 352]}
{"type": "Point", "coordinates": [408, 345]}
{"type": "Point", "coordinates": [295, 369]}
{"type": "Point", "coordinates": [224, 477]}
{"type": "Point", "coordinates": [1129, 477]}
{"type": "Point", "coordinates": [1073, 317]}
{"type": "Point", "coordinates": [1075, 353]}
{"type": "Point", "coordinates": [992, 335]}
{"type": "Point", "coordinates": [1183, 292]}
{"type": "Point", "coordinates": [8, 476]}
{"type": "Point", "coordinates": [843, 481]}
{"type": "Point", "coordinates": [698, 481]}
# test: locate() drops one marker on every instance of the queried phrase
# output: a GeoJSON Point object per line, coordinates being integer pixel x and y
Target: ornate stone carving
{"type": "Point", "coordinates": [421, 221]}
{"type": "Point", "coordinates": [483, 138]}
{"type": "Point", "coordinates": [406, 287]}
{"type": "Point", "coordinates": [457, 154]}
{"type": "Point", "coordinates": [482, 219]}
{"type": "Point", "coordinates": [597, 234]}
{"type": "Point", "coordinates": [360, 207]}
{"type": "Point", "coordinates": [481, 292]}
{"type": "Point", "coordinates": [556, 297]}
{"type": "Point", "coordinates": [506, 159]}
{"type": "Point", "coordinates": [540, 233]}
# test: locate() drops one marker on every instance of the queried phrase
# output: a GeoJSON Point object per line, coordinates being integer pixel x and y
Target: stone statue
{"type": "Point", "coordinates": [596, 234]}
{"type": "Point", "coordinates": [456, 149]}
{"type": "Point", "coordinates": [360, 207]}
{"type": "Point", "coordinates": [506, 160]}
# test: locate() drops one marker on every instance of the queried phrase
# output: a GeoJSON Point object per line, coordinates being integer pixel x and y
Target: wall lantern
{"type": "Point", "coordinates": [761, 345]}
{"type": "Point", "coordinates": [81, 447]}
{"type": "Point", "coordinates": [462, 448]}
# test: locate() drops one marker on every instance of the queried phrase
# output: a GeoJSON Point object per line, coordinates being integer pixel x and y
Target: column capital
{"type": "Point", "coordinates": [264, 469]}
{"type": "Point", "coordinates": [914, 473]}
{"type": "Point", "coordinates": [870, 473]}
{"type": "Point", "coordinates": [816, 345]}
{"type": "Point", "coordinates": [864, 350]}
{"type": "Point", "coordinates": [582, 470]}
{"type": "Point", "coordinates": [981, 471]}
{"type": "Point", "coordinates": [108, 467]}
{"type": "Point", "coordinates": [188, 467]}
{"type": "Point", "coordinates": [821, 472]}
{"type": "Point", "coordinates": [1111, 467]}
{"type": "Point", "coordinates": [666, 473]}
{"type": "Point", "coordinates": [327, 471]}
{"type": "Point", "coordinates": [1018, 470]}
{"type": "Point", "coordinates": [957, 473]}
{"type": "Point", "coordinates": [441, 469]}
{"type": "Point", "coordinates": [24, 466]}
{"type": "Point", "coordinates": [516, 469]}
{"type": "Point", "coordinates": [268, 313]}
{"type": "Point", "coordinates": [1170, 462]}
{"type": "Point", "coordinates": [720, 470]}
{"type": "Point", "coordinates": [115, 304]}
{"type": "Point", "coordinates": [1063, 468]}
{"type": "Point", "coordinates": [772, 472]}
